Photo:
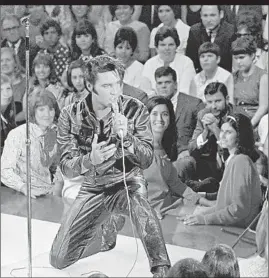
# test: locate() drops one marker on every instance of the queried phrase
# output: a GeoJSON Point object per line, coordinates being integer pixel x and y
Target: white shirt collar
{"type": "Point", "coordinates": [17, 44]}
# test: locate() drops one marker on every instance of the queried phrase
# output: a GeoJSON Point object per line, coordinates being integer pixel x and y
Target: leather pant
{"type": "Point", "coordinates": [93, 212]}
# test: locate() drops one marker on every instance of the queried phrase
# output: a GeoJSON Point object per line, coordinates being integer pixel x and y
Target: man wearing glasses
{"type": "Point", "coordinates": [12, 37]}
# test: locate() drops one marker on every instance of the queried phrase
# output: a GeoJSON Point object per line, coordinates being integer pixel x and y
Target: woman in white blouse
{"type": "Point", "coordinates": [125, 43]}
{"type": "Point", "coordinates": [44, 112]}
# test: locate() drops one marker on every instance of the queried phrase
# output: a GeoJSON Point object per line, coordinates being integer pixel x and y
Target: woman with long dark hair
{"type": "Point", "coordinates": [239, 197]}
{"type": "Point", "coordinates": [84, 41]}
{"type": "Point", "coordinates": [165, 190]}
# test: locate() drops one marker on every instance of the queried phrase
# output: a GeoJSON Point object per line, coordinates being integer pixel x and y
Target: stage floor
{"type": "Point", "coordinates": [114, 263]}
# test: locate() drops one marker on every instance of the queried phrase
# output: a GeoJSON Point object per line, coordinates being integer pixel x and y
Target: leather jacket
{"type": "Point", "coordinates": [76, 127]}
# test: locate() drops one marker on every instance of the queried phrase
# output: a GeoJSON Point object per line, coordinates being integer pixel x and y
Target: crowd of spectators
{"type": "Point", "coordinates": [200, 70]}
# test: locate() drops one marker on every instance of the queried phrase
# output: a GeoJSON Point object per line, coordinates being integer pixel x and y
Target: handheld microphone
{"type": "Point", "coordinates": [116, 110]}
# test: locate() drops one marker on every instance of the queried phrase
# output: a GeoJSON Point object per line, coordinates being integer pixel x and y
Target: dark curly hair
{"type": "Point", "coordinates": [169, 140]}
{"type": "Point", "coordinates": [245, 136]}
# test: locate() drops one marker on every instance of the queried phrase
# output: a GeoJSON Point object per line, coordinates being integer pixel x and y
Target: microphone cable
{"type": "Point", "coordinates": [128, 201]}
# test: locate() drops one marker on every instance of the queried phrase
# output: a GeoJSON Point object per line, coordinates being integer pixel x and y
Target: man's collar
{"type": "Point", "coordinates": [16, 44]}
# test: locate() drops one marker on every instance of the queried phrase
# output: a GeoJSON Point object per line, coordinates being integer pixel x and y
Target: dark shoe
{"type": "Point", "coordinates": [160, 271]}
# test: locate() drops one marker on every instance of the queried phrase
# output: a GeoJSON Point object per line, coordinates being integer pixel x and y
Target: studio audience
{"type": "Point", "coordinates": [201, 72]}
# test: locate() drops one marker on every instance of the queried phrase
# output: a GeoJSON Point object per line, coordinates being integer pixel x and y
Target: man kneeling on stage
{"type": "Point", "coordinates": [89, 138]}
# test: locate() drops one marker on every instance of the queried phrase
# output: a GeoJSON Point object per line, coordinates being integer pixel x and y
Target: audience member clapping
{"type": "Point", "coordinates": [250, 81]}
{"type": "Point", "coordinates": [7, 108]}
{"type": "Point", "coordinates": [239, 196]}
{"type": "Point", "coordinates": [125, 43]}
{"type": "Point", "coordinates": [43, 112]}
{"type": "Point", "coordinates": [124, 14]}
{"type": "Point", "coordinates": [166, 43]}
{"type": "Point", "coordinates": [221, 261]}
{"type": "Point", "coordinates": [169, 16]}
{"type": "Point", "coordinates": [11, 67]}
{"type": "Point", "coordinates": [203, 146]}
{"type": "Point", "coordinates": [187, 268]}
{"type": "Point", "coordinates": [209, 57]}
{"type": "Point", "coordinates": [165, 189]}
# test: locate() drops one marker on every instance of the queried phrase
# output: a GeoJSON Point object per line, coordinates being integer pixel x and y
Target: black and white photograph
{"type": "Point", "coordinates": [134, 140]}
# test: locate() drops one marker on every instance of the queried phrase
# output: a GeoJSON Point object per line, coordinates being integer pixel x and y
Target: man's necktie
{"type": "Point", "coordinates": [210, 35]}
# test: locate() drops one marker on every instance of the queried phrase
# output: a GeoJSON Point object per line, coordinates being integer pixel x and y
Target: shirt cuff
{"type": "Point", "coordinates": [200, 141]}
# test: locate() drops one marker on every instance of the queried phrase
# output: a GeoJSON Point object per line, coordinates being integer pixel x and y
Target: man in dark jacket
{"type": "Point", "coordinates": [212, 28]}
{"type": "Point", "coordinates": [11, 30]}
{"type": "Point", "coordinates": [203, 146]}
{"type": "Point", "coordinates": [186, 110]}
{"type": "Point", "coordinates": [89, 138]}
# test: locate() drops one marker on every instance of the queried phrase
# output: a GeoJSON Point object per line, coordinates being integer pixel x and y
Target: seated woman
{"type": "Point", "coordinates": [221, 261]}
{"type": "Point", "coordinates": [43, 112]}
{"type": "Point", "coordinates": [125, 43]}
{"type": "Point", "coordinates": [165, 189]}
{"type": "Point", "coordinates": [76, 81]}
{"type": "Point", "coordinates": [84, 42]}
{"type": "Point", "coordinates": [209, 57]}
{"type": "Point", "coordinates": [11, 67]}
{"type": "Point", "coordinates": [44, 77]}
{"type": "Point", "coordinates": [167, 38]}
{"type": "Point", "coordinates": [124, 15]}
{"type": "Point", "coordinates": [250, 82]}
{"type": "Point", "coordinates": [169, 15]}
{"type": "Point", "coordinates": [7, 108]}
{"type": "Point", "coordinates": [239, 197]}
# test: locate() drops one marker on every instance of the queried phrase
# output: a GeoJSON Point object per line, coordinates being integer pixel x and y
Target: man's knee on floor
{"type": "Point", "coordinates": [58, 261]}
